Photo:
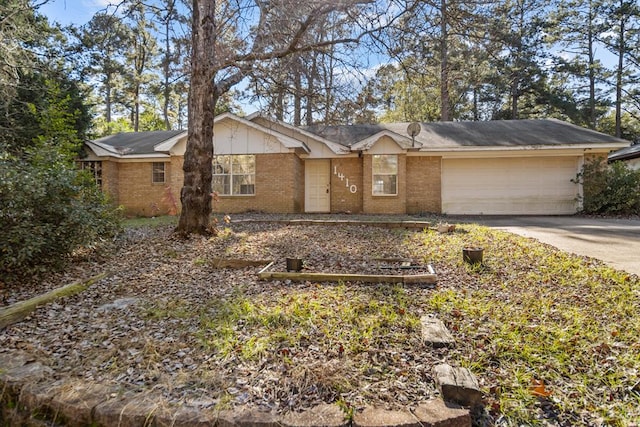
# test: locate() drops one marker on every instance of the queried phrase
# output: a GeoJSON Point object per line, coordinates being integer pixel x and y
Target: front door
{"type": "Point", "coordinates": [317, 195]}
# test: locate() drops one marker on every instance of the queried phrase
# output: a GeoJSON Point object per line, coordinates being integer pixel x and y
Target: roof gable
{"type": "Point", "coordinates": [295, 132]}
{"type": "Point", "coordinates": [139, 143]}
{"type": "Point", "coordinates": [232, 142]}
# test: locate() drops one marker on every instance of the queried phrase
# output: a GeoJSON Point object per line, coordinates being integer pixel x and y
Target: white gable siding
{"type": "Point", "coordinates": [385, 145]}
{"type": "Point", "coordinates": [236, 138]}
{"type": "Point", "coordinates": [318, 150]}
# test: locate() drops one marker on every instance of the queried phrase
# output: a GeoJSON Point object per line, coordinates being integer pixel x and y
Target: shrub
{"type": "Point", "coordinates": [609, 189]}
{"type": "Point", "coordinates": [48, 210]}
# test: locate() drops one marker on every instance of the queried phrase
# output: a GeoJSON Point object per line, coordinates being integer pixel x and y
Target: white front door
{"type": "Point", "coordinates": [317, 196]}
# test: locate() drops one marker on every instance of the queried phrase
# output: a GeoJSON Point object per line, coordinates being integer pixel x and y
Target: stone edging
{"type": "Point", "coordinates": [28, 398]}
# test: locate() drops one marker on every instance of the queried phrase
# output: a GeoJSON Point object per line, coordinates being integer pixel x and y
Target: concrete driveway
{"type": "Point", "coordinates": [614, 241]}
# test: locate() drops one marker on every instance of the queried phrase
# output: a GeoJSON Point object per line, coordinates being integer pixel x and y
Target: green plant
{"type": "Point", "coordinates": [535, 315]}
{"type": "Point", "coordinates": [609, 189]}
{"type": "Point", "coordinates": [49, 209]}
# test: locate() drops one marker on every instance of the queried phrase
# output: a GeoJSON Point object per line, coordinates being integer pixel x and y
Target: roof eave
{"type": "Point", "coordinates": [166, 146]}
{"type": "Point", "coordinates": [367, 143]}
{"type": "Point", "coordinates": [333, 146]}
{"type": "Point", "coordinates": [591, 147]}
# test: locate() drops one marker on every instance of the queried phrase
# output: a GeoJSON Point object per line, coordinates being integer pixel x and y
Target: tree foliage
{"type": "Point", "coordinates": [610, 188]}
{"type": "Point", "coordinates": [228, 39]}
{"type": "Point", "coordinates": [49, 208]}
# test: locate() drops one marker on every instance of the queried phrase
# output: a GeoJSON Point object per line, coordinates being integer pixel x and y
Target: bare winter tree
{"type": "Point", "coordinates": [229, 37]}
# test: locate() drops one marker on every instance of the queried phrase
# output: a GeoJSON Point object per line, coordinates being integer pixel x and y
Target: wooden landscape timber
{"type": "Point", "coordinates": [420, 225]}
{"type": "Point", "coordinates": [429, 278]}
{"type": "Point", "coordinates": [18, 311]}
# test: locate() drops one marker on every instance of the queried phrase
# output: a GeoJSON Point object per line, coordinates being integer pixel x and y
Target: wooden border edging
{"type": "Point", "coordinates": [328, 277]}
{"type": "Point", "coordinates": [383, 224]}
{"type": "Point", "coordinates": [18, 311]}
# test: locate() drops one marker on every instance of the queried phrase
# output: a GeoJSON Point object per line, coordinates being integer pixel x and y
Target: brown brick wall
{"type": "Point", "coordinates": [384, 204]}
{"type": "Point", "coordinates": [110, 183]}
{"type": "Point", "coordinates": [137, 193]}
{"type": "Point", "coordinates": [175, 182]}
{"type": "Point", "coordinates": [342, 197]}
{"type": "Point", "coordinates": [279, 187]}
{"type": "Point", "coordinates": [424, 185]}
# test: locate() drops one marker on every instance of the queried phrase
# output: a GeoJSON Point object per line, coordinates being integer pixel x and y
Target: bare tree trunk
{"type": "Point", "coordinates": [514, 98]}
{"type": "Point", "coordinates": [476, 113]}
{"type": "Point", "coordinates": [297, 93]}
{"type": "Point", "coordinates": [280, 103]}
{"type": "Point", "coordinates": [196, 192]}
{"type": "Point", "coordinates": [167, 60]}
{"type": "Point", "coordinates": [311, 91]}
{"type": "Point", "coordinates": [136, 109]}
{"type": "Point", "coordinates": [592, 72]}
{"type": "Point", "coordinates": [107, 98]}
{"type": "Point", "coordinates": [619, 72]}
{"type": "Point", "coordinates": [444, 64]}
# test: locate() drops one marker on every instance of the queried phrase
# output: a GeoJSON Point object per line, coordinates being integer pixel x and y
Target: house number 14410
{"type": "Point", "coordinates": [352, 188]}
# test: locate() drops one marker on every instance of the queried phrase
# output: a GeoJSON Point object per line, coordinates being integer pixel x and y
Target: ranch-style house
{"type": "Point", "coordinates": [463, 168]}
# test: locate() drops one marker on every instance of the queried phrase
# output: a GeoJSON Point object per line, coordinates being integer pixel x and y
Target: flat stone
{"type": "Point", "coordinates": [74, 402]}
{"type": "Point", "coordinates": [13, 379]}
{"type": "Point", "coordinates": [437, 413]}
{"type": "Point", "coordinates": [129, 410]}
{"type": "Point", "coordinates": [377, 417]}
{"type": "Point", "coordinates": [324, 415]}
{"type": "Point", "coordinates": [225, 418]}
{"type": "Point", "coordinates": [435, 333]}
{"type": "Point", "coordinates": [35, 398]}
{"type": "Point", "coordinates": [186, 417]}
{"type": "Point", "coordinates": [252, 417]}
{"type": "Point", "coordinates": [457, 385]}
{"type": "Point", "coordinates": [119, 304]}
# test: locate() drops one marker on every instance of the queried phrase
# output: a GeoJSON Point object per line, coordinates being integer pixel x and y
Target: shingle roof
{"type": "Point", "coordinates": [505, 133]}
{"type": "Point", "coordinates": [130, 143]}
{"type": "Point", "coordinates": [626, 153]}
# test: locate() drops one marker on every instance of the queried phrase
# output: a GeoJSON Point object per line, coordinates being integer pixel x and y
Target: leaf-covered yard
{"type": "Point", "coordinates": [551, 337]}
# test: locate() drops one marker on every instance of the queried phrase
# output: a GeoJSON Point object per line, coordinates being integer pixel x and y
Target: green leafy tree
{"type": "Point", "coordinates": [173, 46]}
{"type": "Point", "coordinates": [577, 27]}
{"type": "Point", "coordinates": [140, 60]}
{"type": "Point", "coordinates": [518, 29]}
{"type": "Point", "coordinates": [49, 208]}
{"type": "Point", "coordinates": [622, 40]}
{"type": "Point", "coordinates": [102, 43]}
{"type": "Point", "coordinates": [610, 189]}
{"type": "Point", "coordinates": [219, 62]}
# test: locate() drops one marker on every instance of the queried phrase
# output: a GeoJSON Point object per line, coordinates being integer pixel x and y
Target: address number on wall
{"type": "Point", "coordinates": [352, 188]}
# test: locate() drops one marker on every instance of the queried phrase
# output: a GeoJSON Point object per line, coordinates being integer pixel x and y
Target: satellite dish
{"type": "Point", "coordinates": [413, 129]}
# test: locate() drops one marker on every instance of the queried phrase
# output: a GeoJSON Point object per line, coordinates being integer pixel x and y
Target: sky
{"type": "Point", "coordinates": [76, 12]}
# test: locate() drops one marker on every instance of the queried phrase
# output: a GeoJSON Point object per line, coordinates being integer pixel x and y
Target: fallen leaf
{"type": "Point", "coordinates": [539, 389]}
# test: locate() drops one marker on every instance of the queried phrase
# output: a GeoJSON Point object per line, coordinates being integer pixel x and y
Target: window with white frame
{"type": "Point", "coordinates": [385, 175]}
{"type": "Point", "coordinates": [157, 175]}
{"type": "Point", "coordinates": [234, 175]}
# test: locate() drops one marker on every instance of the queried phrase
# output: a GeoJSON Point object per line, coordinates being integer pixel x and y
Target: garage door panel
{"type": "Point", "coordinates": [509, 186]}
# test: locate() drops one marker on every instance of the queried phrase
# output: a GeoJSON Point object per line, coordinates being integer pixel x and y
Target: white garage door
{"type": "Point", "coordinates": [503, 186]}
